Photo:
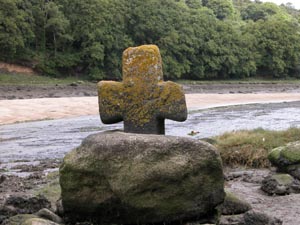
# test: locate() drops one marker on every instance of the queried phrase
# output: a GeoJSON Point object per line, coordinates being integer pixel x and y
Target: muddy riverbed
{"type": "Point", "coordinates": [84, 89]}
{"type": "Point", "coordinates": [52, 139]}
{"type": "Point", "coordinates": [29, 151]}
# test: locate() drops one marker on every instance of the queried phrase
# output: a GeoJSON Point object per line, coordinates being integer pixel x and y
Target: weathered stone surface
{"type": "Point", "coordinates": [143, 101]}
{"type": "Point", "coordinates": [38, 221]}
{"type": "Point", "coordinates": [18, 219]}
{"type": "Point", "coordinates": [49, 215]}
{"type": "Point", "coordinates": [234, 205]}
{"type": "Point", "coordinates": [250, 218]}
{"type": "Point", "coordinates": [287, 158]}
{"type": "Point", "coordinates": [130, 178]}
{"type": "Point", "coordinates": [43, 217]}
{"type": "Point", "coordinates": [280, 184]}
{"type": "Point", "coordinates": [232, 220]}
{"type": "Point", "coordinates": [294, 170]}
{"type": "Point", "coordinates": [23, 204]}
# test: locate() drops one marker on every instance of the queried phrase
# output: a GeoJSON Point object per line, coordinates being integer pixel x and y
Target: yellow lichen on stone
{"type": "Point", "coordinates": [142, 100]}
{"type": "Point", "coordinates": [172, 99]}
{"type": "Point", "coordinates": [111, 101]}
{"type": "Point", "coordinates": [142, 63]}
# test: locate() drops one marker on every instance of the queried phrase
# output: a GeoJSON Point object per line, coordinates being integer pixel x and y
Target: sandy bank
{"type": "Point", "coordinates": [12, 111]}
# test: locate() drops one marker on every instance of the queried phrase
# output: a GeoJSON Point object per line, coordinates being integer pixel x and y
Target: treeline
{"type": "Point", "coordinates": [208, 39]}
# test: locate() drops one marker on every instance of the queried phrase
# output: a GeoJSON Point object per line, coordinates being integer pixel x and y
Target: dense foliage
{"type": "Point", "coordinates": [208, 39]}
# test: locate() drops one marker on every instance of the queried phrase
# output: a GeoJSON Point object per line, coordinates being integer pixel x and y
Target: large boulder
{"type": "Point", "coordinates": [127, 178]}
{"type": "Point", "coordinates": [287, 158]}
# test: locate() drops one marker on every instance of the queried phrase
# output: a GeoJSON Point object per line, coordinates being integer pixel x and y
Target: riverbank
{"type": "Point", "coordinates": [22, 110]}
{"type": "Point", "coordinates": [71, 88]}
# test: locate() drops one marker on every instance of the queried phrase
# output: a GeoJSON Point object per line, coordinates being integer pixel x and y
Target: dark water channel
{"type": "Point", "coordinates": [50, 139]}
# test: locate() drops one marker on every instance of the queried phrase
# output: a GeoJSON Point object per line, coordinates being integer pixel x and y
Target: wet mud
{"type": "Point", "coordinates": [87, 89]}
{"type": "Point", "coordinates": [29, 151]}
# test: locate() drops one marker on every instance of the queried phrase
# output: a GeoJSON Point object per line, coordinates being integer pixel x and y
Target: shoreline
{"type": "Point", "coordinates": [22, 110]}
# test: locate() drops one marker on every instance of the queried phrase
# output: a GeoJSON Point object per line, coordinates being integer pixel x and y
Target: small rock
{"type": "Point", "coordinates": [26, 205]}
{"type": "Point", "coordinates": [2, 178]}
{"type": "Point", "coordinates": [49, 215]}
{"type": "Point", "coordinates": [235, 175]}
{"type": "Point", "coordinates": [280, 184]}
{"type": "Point", "coordinates": [257, 218]}
{"type": "Point", "coordinates": [18, 219]}
{"type": "Point", "coordinates": [233, 205]}
{"type": "Point", "coordinates": [249, 218]}
{"type": "Point", "coordinates": [74, 84]}
{"type": "Point", "coordinates": [232, 220]}
{"type": "Point", "coordinates": [38, 221]}
{"type": "Point", "coordinates": [8, 211]}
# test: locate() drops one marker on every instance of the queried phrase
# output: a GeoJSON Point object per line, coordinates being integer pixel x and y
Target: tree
{"type": "Point", "coordinates": [14, 29]}
{"type": "Point", "coordinates": [278, 44]}
{"type": "Point", "coordinates": [56, 25]}
{"type": "Point", "coordinates": [221, 8]}
{"type": "Point", "coordinates": [195, 4]}
{"type": "Point", "coordinates": [263, 11]}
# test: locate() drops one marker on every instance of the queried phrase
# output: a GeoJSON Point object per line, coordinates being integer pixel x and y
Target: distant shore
{"type": "Point", "coordinates": [9, 92]}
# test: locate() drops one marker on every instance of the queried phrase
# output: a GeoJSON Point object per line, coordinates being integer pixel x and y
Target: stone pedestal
{"type": "Point", "coordinates": [126, 178]}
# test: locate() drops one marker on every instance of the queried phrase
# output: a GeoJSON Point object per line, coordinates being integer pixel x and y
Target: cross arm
{"type": "Point", "coordinates": [110, 101]}
{"type": "Point", "coordinates": [172, 103]}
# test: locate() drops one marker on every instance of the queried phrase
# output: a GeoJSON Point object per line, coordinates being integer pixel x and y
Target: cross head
{"type": "Point", "coordinates": [143, 100]}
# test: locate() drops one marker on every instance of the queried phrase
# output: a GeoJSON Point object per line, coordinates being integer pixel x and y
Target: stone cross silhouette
{"type": "Point", "coordinates": [143, 100]}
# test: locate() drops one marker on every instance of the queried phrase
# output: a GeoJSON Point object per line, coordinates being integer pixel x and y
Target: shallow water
{"type": "Point", "coordinates": [34, 141]}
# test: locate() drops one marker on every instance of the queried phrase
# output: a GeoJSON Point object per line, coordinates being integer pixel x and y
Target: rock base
{"type": "Point", "coordinates": [126, 178]}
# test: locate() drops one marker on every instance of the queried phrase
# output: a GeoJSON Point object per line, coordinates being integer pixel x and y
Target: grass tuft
{"type": "Point", "coordinates": [250, 148]}
{"type": "Point", "coordinates": [24, 79]}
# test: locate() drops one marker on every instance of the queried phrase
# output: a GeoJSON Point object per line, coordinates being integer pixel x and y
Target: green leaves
{"type": "Point", "coordinates": [14, 30]}
{"type": "Point", "coordinates": [208, 39]}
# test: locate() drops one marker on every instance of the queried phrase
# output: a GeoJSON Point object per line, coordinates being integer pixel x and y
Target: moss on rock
{"type": "Point", "coordinates": [274, 155]}
{"type": "Point", "coordinates": [233, 205]}
{"type": "Point", "coordinates": [291, 153]}
{"type": "Point", "coordinates": [287, 158]}
{"type": "Point", "coordinates": [280, 184]}
{"type": "Point", "coordinates": [141, 178]}
{"type": "Point", "coordinates": [283, 179]}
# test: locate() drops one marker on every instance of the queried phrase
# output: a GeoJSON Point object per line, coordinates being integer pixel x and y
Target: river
{"type": "Point", "coordinates": [50, 139]}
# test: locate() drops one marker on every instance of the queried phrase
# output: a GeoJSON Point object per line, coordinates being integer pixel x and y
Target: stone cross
{"type": "Point", "coordinates": [143, 100]}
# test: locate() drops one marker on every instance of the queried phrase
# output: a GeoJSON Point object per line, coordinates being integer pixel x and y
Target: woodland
{"type": "Point", "coordinates": [208, 39]}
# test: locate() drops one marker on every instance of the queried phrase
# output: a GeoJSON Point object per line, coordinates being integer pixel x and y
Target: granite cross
{"type": "Point", "coordinates": [143, 100]}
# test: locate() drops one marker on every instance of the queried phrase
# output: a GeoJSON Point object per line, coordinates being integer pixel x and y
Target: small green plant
{"type": "Point", "coordinates": [250, 148]}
